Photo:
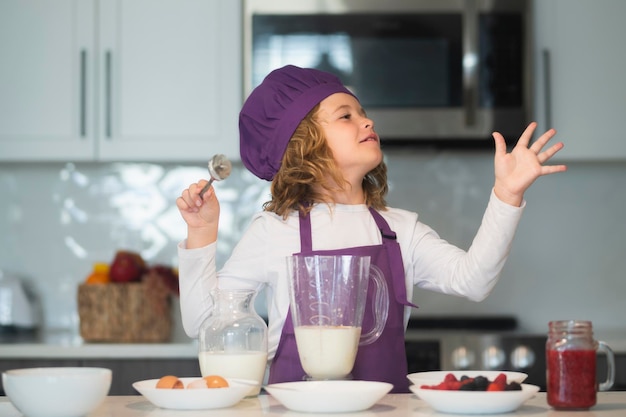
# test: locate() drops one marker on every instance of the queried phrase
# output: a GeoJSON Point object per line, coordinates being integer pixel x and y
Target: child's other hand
{"type": "Point", "coordinates": [200, 214]}
{"type": "Point", "coordinates": [517, 170]}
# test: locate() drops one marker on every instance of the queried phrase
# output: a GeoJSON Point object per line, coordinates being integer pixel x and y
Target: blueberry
{"type": "Point", "coordinates": [481, 383]}
{"type": "Point", "coordinates": [470, 386]}
{"type": "Point", "coordinates": [513, 386]}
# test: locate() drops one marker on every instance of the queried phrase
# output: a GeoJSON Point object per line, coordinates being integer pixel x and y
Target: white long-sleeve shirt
{"type": "Point", "coordinates": [259, 259]}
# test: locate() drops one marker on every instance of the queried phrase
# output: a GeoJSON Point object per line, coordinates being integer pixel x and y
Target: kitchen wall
{"type": "Point", "coordinates": [568, 259]}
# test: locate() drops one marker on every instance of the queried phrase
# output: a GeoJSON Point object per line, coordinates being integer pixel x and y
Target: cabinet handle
{"type": "Point", "coordinates": [107, 93]}
{"type": "Point", "coordinates": [83, 93]}
{"type": "Point", "coordinates": [470, 62]}
{"type": "Point", "coordinates": [547, 87]}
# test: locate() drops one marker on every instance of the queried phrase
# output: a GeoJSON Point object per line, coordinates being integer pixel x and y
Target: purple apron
{"type": "Point", "coordinates": [383, 360]}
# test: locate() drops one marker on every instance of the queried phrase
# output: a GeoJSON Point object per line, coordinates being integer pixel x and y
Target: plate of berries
{"type": "Point", "coordinates": [475, 392]}
{"type": "Point", "coordinates": [435, 377]}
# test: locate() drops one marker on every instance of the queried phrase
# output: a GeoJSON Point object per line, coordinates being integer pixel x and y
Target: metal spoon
{"type": "Point", "coordinates": [219, 169]}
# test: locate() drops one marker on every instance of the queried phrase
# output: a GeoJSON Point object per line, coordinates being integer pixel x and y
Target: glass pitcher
{"type": "Point", "coordinates": [233, 339]}
{"type": "Point", "coordinates": [328, 295]}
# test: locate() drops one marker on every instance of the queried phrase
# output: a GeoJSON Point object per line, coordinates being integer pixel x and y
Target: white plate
{"type": "Point", "coordinates": [475, 402]}
{"type": "Point", "coordinates": [435, 377]}
{"type": "Point", "coordinates": [194, 399]}
{"type": "Point", "coordinates": [329, 396]}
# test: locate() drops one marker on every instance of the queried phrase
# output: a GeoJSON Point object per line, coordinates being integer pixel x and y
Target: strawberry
{"type": "Point", "coordinates": [495, 387]}
{"type": "Point", "coordinates": [500, 379]}
{"type": "Point", "coordinates": [498, 384]}
{"type": "Point", "coordinates": [450, 378]}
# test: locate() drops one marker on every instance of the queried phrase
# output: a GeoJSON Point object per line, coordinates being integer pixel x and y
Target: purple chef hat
{"type": "Point", "coordinates": [273, 111]}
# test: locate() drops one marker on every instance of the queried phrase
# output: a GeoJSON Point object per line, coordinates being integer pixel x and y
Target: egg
{"type": "Point", "coordinates": [198, 383]}
{"type": "Point", "coordinates": [170, 382]}
{"type": "Point", "coordinates": [211, 381]}
{"type": "Point", "coordinates": [215, 381]}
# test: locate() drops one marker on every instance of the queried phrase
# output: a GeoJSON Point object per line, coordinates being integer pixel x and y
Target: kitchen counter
{"type": "Point", "coordinates": [610, 404]}
{"type": "Point", "coordinates": [129, 361]}
{"type": "Point", "coordinates": [68, 345]}
{"type": "Point", "coordinates": [63, 344]}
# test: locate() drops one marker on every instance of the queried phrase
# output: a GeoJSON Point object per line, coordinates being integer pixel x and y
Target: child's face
{"type": "Point", "coordinates": [350, 135]}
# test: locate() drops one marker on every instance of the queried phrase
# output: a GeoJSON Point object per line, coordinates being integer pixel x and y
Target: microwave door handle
{"type": "Point", "coordinates": [470, 62]}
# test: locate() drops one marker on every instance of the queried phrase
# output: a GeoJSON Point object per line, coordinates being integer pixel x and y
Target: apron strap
{"type": "Point", "coordinates": [306, 237]}
{"type": "Point", "coordinates": [383, 226]}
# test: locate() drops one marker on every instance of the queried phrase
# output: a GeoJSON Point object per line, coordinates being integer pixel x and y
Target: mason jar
{"type": "Point", "coordinates": [571, 354]}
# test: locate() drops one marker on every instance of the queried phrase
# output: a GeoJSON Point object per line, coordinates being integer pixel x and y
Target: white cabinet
{"type": "Point", "coordinates": [119, 80]}
{"type": "Point", "coordinates": [580, 61]}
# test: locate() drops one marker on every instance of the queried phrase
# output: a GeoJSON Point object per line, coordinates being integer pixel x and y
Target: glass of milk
{"type": "Point", "coordinates": [328, 300]}
{"type": "Point", "coordinates": [233, 339]}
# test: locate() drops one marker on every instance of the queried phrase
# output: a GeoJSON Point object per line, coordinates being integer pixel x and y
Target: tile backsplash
{"type": "Point", "coordinates": [57, 219]}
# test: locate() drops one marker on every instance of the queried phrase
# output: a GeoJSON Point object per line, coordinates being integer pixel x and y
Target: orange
{"type": "Point", "coordinates": [99, 275]}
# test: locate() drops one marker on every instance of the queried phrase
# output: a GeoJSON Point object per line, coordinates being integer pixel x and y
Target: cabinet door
{"type": "Point", "coordinates": [580, 67]}
{"type": "Point", "coordinates": [46, 79]}
{"type": "Point", "coordinates": [171, 75]}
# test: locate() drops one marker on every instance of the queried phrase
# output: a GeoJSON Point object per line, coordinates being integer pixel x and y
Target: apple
{"type": "Point", "coordinates": [168, 275]}
{"type": "Point", "coordinates": [127, 266]}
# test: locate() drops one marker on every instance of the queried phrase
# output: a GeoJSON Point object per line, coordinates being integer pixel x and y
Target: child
{"type": "Point", "coordinates": [305, 132]}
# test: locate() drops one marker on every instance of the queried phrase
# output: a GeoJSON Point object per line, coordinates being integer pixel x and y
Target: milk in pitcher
{"type": "Point", "coordinates": [327, 352]}
{"type": "Point", "coordinates": [245, 365]}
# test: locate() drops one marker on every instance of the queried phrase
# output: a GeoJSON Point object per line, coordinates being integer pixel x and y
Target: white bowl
{"type": "Point", "coordinates": [329, 396]}
{"type": "Point", "coordinates": [475, 402]}
{"type": "Point", "coordinates": [435, 377]}
{"type": "Point", "coordinates": [58, 391]}
{"type": "Point", "coordinates": [195, 398]}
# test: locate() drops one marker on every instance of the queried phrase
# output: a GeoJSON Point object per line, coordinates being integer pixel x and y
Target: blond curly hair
{"type": "Point", "coordinates": [308, 161]}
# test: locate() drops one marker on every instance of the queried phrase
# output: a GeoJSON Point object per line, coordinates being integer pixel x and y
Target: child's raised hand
{"type": "Point", "coordinates": [517, 170]}
{"type": "Point", "coordinates": [200, 213]}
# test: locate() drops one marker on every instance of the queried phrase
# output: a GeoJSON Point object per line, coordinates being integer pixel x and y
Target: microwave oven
{"type": "Point", "coordinates": [424, 70]}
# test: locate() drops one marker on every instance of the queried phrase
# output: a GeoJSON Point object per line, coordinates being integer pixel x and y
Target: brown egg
{"type": "Point", "coordinates": [211, 381]}
{"type": "Point", "coordinates": [215, 381]}
{"type": "Point", "coordinates": [170, 382]}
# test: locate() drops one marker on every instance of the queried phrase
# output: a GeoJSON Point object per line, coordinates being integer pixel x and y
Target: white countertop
{"type": "Point", "coordinates": [100, 350]}
{"type": "Point", "coordinates": [610, 404]}
{"type": "Point", "coordinates": [64, 344]}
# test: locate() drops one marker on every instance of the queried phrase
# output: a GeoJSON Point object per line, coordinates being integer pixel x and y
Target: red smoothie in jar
{"type": "Point", "coordinates": [571, 378]}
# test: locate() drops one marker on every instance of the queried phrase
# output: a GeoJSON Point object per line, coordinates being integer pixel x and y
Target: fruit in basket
{"type": "Point", "coordinates": [168, 275]}
{"type": "Point", "coordinates": [127, 266]}
{"type": "Point", "coordinates": [99, 274]}
{"type": "Point", "coordinates": [477, 383]}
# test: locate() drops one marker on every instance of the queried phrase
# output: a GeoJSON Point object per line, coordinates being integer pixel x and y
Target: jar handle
{"type": "Point", "coordinates": [380, 306]}
{"type": "Point", "coordinates": [610, 369]}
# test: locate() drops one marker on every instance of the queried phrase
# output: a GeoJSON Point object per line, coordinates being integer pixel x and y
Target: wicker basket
{"type": "Point", "coordinates": [130, 312]}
